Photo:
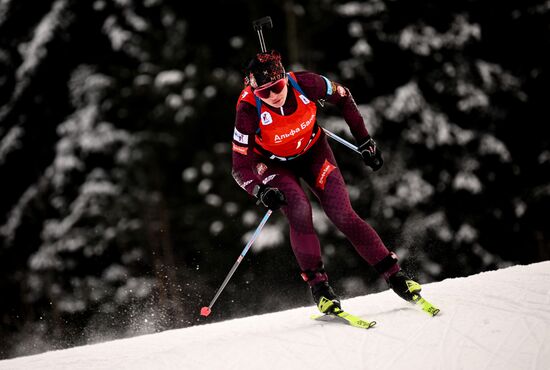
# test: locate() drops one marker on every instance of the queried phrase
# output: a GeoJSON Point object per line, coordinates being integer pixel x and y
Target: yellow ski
{"type": "Point", "coordinates": [345, 317]}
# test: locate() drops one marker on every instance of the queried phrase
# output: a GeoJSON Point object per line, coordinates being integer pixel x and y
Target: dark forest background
{"type": "Point", "coordinates": [118, 212]}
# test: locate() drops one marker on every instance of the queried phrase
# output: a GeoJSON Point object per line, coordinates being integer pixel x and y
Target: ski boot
{"type": "Point", "coordinates": [325, 298]}
{"type": "Point", "coordinates": [409, 290]}
{"type": "Point", "coordinates": [404, 286]}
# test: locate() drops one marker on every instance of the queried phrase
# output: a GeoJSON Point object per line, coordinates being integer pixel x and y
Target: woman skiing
{"type": "Point", "coordinates": [277, 142]}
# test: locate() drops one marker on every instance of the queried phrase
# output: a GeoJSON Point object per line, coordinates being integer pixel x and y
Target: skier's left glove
{"type": "Point", "coordinates": [372, 156]}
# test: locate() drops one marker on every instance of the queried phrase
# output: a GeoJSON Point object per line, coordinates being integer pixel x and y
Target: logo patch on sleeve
{"type": "Point", "coordinates": [323, 174]}
{"type": "Point", "coordinates": [240, 149]}
{"type": "Point", "coordinates": [240, 137]}
{"type": "Point", "coordinates": [341, 91]}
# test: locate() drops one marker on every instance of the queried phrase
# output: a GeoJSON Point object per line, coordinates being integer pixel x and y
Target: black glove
{"type": "Point", "coordinates": [372, 156]}
{"type": "Point", "coordinates": [270, 197]}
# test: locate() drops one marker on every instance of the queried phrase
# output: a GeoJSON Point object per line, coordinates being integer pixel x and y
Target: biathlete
{"type": "Point", "coordinates": [277, 141]}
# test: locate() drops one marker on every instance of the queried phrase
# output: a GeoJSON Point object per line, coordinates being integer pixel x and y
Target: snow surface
{"type": "Point", "coordinates": [494, 320]}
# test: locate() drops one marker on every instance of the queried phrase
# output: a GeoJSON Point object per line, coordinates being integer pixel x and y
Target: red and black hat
{"type": "Point", "coordinates": [264, 68]}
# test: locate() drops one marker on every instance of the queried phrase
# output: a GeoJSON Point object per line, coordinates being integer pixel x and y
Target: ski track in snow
{"type": "Point", "coordinates": [494, 320]}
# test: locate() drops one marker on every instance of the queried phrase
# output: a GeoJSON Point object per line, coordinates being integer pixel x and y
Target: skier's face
{"type": "Point", "coordinates": [277, 92]}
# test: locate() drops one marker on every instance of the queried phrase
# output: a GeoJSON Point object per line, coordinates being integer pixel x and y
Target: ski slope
{"type": "Point", "coordinates": [494, 320]}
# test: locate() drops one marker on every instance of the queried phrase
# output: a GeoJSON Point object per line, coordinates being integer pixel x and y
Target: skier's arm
{"type": "Point", "coordinates": [318, 87]}
{"type": "Point", "coordinates": [244, 159]}
{"type": "Point", "coordinates": [246, 122]}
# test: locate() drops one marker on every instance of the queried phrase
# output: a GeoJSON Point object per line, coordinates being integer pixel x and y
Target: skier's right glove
{"type": "Point", "coordinates": [271, 198]}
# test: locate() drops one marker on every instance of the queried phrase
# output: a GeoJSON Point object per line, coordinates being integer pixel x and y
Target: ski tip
{"type": "Point", "coordinates": [205, 311]}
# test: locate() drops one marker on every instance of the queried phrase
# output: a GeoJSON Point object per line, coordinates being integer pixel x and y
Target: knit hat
{"type": "Point", "coordinates": [264, 68]}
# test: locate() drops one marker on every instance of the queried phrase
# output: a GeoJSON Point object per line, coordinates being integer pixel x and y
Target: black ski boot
{"type": "Point", "coordinates": [325, 298]}
{"type": "Point", "coordinates": [404, 286]}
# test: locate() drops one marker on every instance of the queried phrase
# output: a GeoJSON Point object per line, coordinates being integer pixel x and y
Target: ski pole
{"type": "Point", "coordinates": [205, 311]}
{"type": "Point", "coordinates": [341, 141]}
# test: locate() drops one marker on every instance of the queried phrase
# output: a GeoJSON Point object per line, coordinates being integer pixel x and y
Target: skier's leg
{"type": "Point", "coordinates": [328, 185]}
{"type": "Point", "coordinates": [303, 238]}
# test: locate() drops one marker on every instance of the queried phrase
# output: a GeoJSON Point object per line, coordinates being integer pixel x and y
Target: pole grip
{"type": "Point", "coordinates": [259, 23]}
